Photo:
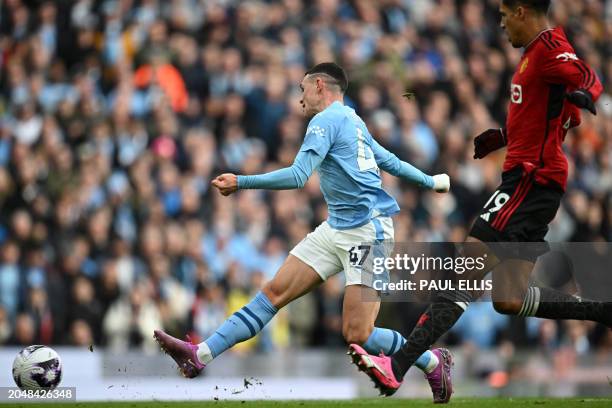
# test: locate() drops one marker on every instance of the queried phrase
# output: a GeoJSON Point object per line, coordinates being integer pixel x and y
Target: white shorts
{"type": "Point", "coordinates": [328, 250]}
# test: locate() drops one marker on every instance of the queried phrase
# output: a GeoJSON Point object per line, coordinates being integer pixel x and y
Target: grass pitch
{"type": "Point", "coordinates": [361, 403]}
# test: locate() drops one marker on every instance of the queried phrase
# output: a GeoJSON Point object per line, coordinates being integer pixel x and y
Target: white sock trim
{"type": "Point", "coordinates": [204, 353]}
{"type": "Point", "coordinates": [531, 303]}
{"type": "Point", "coordinates": [536, 301]}
{"type": "Point", "coordinates": [433, 363]}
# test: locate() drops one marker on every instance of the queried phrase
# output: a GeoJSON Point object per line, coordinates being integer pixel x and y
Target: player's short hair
{"type": "Point", "coordinates": [333, 71]}
{"type": "Point", "coordinates": [540, 6]}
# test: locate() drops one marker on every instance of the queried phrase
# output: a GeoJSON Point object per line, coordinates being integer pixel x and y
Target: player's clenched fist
{"type": "Point", "coordinates": [227, 183]}
{"type": "Point", "coordinates": [441, 183]}
{"type": "Point", "coordinates": [582, 99]}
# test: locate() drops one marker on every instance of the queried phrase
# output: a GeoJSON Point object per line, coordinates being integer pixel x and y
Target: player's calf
{"type": "Point", "coordinates": [508, 307]}
{"type": "Point", "coordinates": [356, 330]}
{"type": "Point", "coordinates": [551, 304]}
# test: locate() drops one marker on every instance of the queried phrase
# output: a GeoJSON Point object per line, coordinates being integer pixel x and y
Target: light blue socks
{"type": "Point", "coordinates": [389, 341]}
{"type": "Point", "coordinates": [240, 326]}
{"type": "Point", "coordinates": [384, 340]}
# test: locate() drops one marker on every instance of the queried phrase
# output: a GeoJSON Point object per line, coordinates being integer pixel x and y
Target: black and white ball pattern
{"type": "Point", "coordinates": [37, 367]}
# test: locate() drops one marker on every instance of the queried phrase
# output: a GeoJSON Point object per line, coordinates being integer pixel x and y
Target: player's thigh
{"type": "Point", "coordinates": [294, 279]}
{"type": "Point", "coordinates": [510, 284]}
{"type": "Point", "coordinates": [318, 250]}
{"type": "Point", "coordinates": [310, 262]}
{"type": "Point", "coordinates": [475, 248]}
{"type": "Point", "coordinates": [359, 312]}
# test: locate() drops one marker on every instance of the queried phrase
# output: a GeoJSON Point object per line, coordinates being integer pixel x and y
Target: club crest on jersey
{"type": "Point", "coordinates": [566, 56]}
{"type": "Point", "coordinates": [516, 93]}
{"type": "Point", "coordinates": [524, 66]}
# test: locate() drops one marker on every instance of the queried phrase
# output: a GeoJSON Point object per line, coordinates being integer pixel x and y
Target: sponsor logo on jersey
{"type": "Point", "coordinates": [566, 56]}
{"type": "Point", "coordinates": [524, 66]}
{"type": "Point", "coordinates": [516, 93]}
{"type": "Point", "coordinates": [316, 130]}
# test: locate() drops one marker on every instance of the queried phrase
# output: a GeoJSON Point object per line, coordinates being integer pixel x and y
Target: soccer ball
{"type": "Point", "coordinates": [37, 367]}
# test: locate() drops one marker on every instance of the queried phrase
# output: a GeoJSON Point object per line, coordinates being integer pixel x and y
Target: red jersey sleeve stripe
{"type": "Point", "coordinates": [547, 44]}
{"type": "Point", "coordinates": [547, 38]}
{"type": "Point", "coordinates": [591, 80]}
{"type": "Point", "coordinates": [544, 38]}
{"type": "Point", "coordinates": [586, 75]}
{"type": "Point", "coordinates": [582, 71]}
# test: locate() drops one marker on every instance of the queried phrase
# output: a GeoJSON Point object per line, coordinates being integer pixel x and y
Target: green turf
{"type": "Point", "coordinates": [379, 402]}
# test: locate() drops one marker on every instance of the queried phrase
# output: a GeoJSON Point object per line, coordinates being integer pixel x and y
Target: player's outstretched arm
{"type": "Point", "coordinates": [392, 165]}
{"type": "Point", "coordinates": [287, 178]}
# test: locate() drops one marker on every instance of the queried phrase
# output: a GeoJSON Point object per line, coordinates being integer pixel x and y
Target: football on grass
{"type": "Point", "coordinates": [37, 367]}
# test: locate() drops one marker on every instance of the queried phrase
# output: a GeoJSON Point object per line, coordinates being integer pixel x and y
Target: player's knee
{"type": "Point", "coordinates": [509, 307]}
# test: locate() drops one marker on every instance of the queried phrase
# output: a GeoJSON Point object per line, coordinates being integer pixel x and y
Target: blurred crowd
{"type": "Point", "coordinates": [116, 114]}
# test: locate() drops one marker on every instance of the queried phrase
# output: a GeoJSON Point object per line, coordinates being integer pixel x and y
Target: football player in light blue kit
{"type": "Point", "coordinates": [338, 145]}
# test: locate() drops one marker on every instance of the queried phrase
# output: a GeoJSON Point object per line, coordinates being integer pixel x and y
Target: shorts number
{"type": "Point", "coordinates": [499, 199]}
{"type": "Point", "coordinates": [354, 259]}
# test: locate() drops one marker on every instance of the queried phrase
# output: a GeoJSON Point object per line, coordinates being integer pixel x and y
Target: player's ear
{"type": "Point", "coordinates": [319, 85]}
{"type": "Point", "coordinates": [520, 12]}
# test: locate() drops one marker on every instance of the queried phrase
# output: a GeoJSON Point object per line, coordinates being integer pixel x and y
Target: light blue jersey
{"type": "Point", "coordinates": [349, 176]}
{"type": "Point", "coordinates": [339, 145]}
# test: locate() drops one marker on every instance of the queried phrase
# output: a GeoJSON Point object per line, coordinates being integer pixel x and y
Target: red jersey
{"type": "Point", "coordinates": [539, 115]}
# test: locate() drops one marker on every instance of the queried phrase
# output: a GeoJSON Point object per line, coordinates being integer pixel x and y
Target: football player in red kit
{"type": "Point", "coordinates": [549, 86]}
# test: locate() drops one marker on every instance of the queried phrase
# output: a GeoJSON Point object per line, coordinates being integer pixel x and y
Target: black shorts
{"type": "Point", "coordinates": [518, 211]}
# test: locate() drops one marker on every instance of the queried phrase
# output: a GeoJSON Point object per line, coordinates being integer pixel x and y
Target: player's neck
{"type": "Point", "coordinates": [534, 30]}
{"type": "Point", "coordinates": [329, 99]}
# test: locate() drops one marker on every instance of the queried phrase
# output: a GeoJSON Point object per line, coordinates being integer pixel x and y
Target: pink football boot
{"type": "Point", "coordinates": [440, 378]}
{"type": "Point", "coordinates": [182, 352]}
{"type": "Point", "coordinates": [377, 368]}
